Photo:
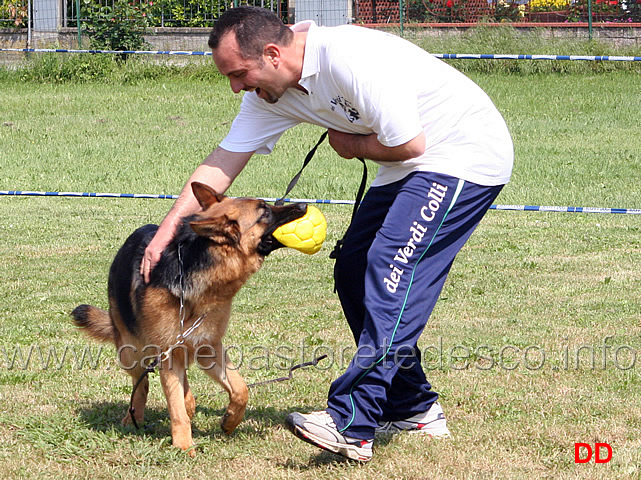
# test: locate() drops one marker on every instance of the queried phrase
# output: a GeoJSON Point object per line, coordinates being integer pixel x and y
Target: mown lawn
{"type": "Point", "coordinates": [534, 346]}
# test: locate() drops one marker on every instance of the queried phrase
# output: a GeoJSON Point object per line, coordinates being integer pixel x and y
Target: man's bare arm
{"type": "Point", "coordinates": [367, 146]}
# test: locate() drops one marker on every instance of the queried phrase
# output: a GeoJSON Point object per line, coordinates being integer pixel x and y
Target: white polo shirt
{"type": "Point", "coordinates": [365, 81]}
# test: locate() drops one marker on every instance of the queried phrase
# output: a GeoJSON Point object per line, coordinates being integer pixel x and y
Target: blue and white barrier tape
{"type": "Point", "coordinates": [521, 208]}
{"type": "Point", "coordinates": [589, 58]}
{"type": "Point", "coordinates": [119, 52]}
{"type": "Point", "coordinates": [85, 194]}
{"type": "Point", "coordinates": [541, 208]}
{"type": "Point", "coordinates": [446, 56]}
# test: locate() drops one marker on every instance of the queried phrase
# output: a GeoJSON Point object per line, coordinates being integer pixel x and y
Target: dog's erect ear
{"type": "Point", "coordinates": [205, 195]}
{"type": "Point", "coordinates": [221, 230]}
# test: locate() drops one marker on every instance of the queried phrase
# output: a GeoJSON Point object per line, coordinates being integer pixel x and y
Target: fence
{"type": "Point", "coordinates": [50, 15]}
{"type": "Point", "coordinates": [500, 11]}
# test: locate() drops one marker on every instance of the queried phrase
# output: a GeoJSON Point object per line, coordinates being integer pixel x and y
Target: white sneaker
{"type": "Point", "coordinates": [319, 429]}
{"type": "Point", "coordinates": [432, 423]}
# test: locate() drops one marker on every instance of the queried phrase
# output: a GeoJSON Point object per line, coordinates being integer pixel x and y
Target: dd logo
{"type": "Point", "coordinates": [583, 453]}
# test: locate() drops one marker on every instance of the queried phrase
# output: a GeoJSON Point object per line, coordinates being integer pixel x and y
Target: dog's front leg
{"type": "Point", "coordinates": [172, 378]}
{"type": "Point", "coordinates": [226, 374]}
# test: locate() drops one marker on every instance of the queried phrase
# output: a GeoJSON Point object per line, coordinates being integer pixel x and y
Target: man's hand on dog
{"type": "Point", "coordinates": [153, 253]}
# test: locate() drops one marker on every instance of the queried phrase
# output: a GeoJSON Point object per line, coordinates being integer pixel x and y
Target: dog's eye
{"type": "Point", "coordinates": [267, 213]}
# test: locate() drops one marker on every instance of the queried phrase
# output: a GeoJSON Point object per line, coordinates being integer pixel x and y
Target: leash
{"type": "Point", "coordinates": [357, 202]}
{"type": "Point", "coordinates": [148, 369]}
{"type": "Point", "coordinates": [294, 181]}
{"type": "Point", "coordinates": [359, 195]}
{"type": "Point", "coordinates": [291, 372]}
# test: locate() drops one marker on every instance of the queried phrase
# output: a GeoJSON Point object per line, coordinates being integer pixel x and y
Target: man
{"type": "Point", "coordinates": [444, 153]}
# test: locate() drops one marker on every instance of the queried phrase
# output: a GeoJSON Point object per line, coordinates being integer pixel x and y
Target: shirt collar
{"type": "Point", "coordinates": [310, 60]}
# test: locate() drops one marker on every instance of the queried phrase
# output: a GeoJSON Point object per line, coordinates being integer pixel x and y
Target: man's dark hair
{"type": "Point", "coordinates": [254, 28]}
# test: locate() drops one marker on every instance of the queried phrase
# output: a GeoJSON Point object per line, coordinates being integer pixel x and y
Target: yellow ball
{"type": "Point", "coordinates": [305, 234]}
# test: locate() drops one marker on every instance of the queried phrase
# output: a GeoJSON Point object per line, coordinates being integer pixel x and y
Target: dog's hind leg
{"type": "Point", "coordinates": [139, 402]}
{"type": "Point", "coordinates": [130, 361]}
{"type": "Point", "coordinates": [173, 379]}
{"type": "Point", "coordinates": [226, 374]}
{"type": "Point", "coordinates": [190, 401]}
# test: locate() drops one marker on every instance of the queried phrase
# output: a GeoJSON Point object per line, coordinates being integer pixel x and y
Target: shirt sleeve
{"type": "Point", "coordinates": [255, 129]}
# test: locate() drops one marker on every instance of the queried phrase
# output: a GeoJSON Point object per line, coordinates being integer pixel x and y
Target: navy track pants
{"type": "Point", "coordinates": [389, 275]}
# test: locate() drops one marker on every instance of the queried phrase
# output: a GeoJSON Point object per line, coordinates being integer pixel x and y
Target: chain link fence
{"type": "Point", "coordinates": [51, 15]}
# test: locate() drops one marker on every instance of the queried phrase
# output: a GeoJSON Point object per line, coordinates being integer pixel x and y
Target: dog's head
{"type": "Point", "coordinates": [247, 223]}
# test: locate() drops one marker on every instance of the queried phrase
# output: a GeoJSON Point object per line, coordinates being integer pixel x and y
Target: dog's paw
{"type": "Point", "coordinates": [126, 420]}
{"type": "Point", "coordinates": [187, 445]}
{"type": "Point", "coordinates": [229, 422]}
{"type": "Point", "coordinates": [224, 424]}
{"type": "Point", "coordinates": [191, 451]}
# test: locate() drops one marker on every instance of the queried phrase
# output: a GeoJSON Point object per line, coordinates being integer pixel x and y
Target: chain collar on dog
{"type": "Point", "coordinates": [180, 338]}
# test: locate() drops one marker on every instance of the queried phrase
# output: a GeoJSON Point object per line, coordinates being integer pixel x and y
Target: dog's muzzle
{"type": "Point", "coordinates": [281, 216]}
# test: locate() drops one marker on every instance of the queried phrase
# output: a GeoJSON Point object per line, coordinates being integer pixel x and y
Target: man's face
{"type": "Point", "coordinates": [259, 75]}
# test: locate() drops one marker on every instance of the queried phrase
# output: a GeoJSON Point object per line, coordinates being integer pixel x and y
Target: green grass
{"type": "Point", "coordinates": [526, 285]}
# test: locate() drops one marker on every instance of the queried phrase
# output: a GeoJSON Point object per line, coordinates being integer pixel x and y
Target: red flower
{"type": "Point", "coordinates": [449, 4]}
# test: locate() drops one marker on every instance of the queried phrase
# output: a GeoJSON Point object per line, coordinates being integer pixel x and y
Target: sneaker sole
{"type": "Point", "coordinates": [347, 451]}
{"type": "Point", "coordinates": [432, 433]}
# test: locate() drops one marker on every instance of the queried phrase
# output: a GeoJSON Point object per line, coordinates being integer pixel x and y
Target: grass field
{"type": "Point", "coordinates": [535, 344]}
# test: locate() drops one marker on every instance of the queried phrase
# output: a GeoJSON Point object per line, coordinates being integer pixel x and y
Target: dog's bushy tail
{"type": "Point", "coordinates": [95, 321]}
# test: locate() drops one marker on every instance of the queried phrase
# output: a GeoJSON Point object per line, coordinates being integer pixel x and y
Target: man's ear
{"type": "Point", "coordinates": [271, 53]}
{"type": "Point", "coordinates": [220, 230]}
{"type": "Point", "coordinates": [205, 195]}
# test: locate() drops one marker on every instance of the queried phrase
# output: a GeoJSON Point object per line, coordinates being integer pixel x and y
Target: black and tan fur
{"type": "Point", "coordinates": [220, 248]}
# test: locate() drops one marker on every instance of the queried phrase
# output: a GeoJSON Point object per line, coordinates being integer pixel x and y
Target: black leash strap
{"type": "Point", "coordinates": [148, 369]}
{"type": "Point", "coordinates": [359, 196]}
{"type": "Point", "coordinates": [308, 159]}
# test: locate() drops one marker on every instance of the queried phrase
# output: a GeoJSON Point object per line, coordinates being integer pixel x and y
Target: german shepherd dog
{"type": "Point", "coordinates": [212, 256]}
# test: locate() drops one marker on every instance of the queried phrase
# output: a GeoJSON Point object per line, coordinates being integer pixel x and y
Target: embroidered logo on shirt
{"type": "Point", "coordinates": [350, 112]}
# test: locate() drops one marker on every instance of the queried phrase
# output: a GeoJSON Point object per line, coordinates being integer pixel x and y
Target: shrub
{"type": "Point", "coordinates": [118, 27]}
{"type": "Point", "coordinates": [16, 11]}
